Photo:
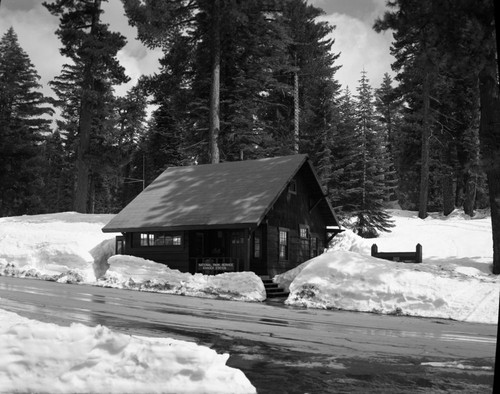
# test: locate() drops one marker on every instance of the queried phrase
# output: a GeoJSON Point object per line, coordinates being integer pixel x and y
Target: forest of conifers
{"type": "Point", "coordinates": [247, 79]}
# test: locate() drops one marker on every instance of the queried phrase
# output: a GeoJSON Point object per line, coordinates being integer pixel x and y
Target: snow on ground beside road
{"type": "Point", "coordinates": [150, 276]}
{"type": "Point", "coordinates": [42, 358]}
{"type": "Point", "coordinates": [51, 244]}
{"type": "Point", "coordinates": [71, 248]}
{"type": "Point", "coordinates": [454, 281]}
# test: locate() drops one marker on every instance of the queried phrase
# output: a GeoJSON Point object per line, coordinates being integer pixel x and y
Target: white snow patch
{"type": "Point", "coordinates": [44, 357]}
{"type": "Point", "coordinates": [70, 248]}
{"type": "Point", "coordinates": [129, 272]}
{"type": "Point", "coordinates": [454, 281]}
{"type": "Point", "coordinates": [456, 365]}
{"type": "Point", "coordinates": [351, 281]}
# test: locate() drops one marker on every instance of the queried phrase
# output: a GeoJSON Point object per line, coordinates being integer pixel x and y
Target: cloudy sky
{"type": "Point", "coordinates": [359, 46]}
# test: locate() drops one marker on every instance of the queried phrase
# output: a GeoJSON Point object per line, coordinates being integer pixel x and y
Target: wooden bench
{"type": "Point", "coordinates": [405, 257]}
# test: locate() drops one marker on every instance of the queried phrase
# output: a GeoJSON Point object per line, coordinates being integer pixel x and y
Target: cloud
{"type": "Point", "coordinates": [36, 33]}
{"type": "Point", "coordinates": [134, 56]}
{"type": "Point", "coordinates": [36, 27]}
{"type": "Point", "coordinates": [360, 48]}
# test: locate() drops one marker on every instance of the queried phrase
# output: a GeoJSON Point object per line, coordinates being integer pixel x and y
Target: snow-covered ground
{"type": "Point", "coordinates": [70, 248]}
{"type": "Point", "coordinates": [454, 281]}
{"type": "Point", "coordinates": [46, 358]}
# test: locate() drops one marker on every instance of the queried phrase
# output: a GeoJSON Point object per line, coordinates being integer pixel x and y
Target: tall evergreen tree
{"type": "Point", "coordinates": [92, 48]}
{"type": "Point", "coordinates": [307, 81]}
{"type": "Point", "coordinates": [418, 65]}
{"type": "Point", "coordinates": [388, 107]}
{"type": "Point", "coordinates": [464, 35]}
{"type": "Point", "coordinates": [360, 164]}
{"type": "Point", "coordinates": [346, 156]}
{"type": "Point", "coordinates": [23, 125]}
{"type": "Point", "coordinates": [159, 23]}
{"type": "Point", "coordinates": [374, 187]}
{"type": "Point", "coordinates": [257, 63]}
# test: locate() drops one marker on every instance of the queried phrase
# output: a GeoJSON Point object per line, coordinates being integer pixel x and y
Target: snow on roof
{"type": "Point", "coordinates": [236, 194]}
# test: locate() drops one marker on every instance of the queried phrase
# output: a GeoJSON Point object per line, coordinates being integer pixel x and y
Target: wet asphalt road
{"type": "Point", "coordinates": [283, 349]}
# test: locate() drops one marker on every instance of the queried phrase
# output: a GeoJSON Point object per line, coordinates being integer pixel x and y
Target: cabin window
{"type": "Point", "coordinates": [292, 187]}
{"type": "Point", "coordinates": [304, 240]}
{"type": "Point", "coordinates": [147, 239]}
{"type": "Point", "coordinates": [161, 239]}
{"type": "Point", "coordinates": [283, 244]}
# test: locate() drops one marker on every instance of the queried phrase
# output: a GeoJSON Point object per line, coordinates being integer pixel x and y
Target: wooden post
{"type": "Point", "coordinates": [374, 250]}
{"type": "Point", "coordinates": [418, 258]}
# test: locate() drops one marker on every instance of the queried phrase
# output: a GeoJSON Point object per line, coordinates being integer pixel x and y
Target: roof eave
{"type": "Point", "coordinates": [228, 226]}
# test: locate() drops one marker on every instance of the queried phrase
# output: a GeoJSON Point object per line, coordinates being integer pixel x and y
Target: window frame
{"type": "Point", "coordinates": [169, 239]}
{"type": "Point", "coordinates": [286, 255]}
{"type": "Point", "coordinates": [305, 240]}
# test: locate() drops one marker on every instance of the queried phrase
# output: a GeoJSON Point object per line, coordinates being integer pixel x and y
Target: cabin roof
{"type": "Point", "coordinates": [230, 194]}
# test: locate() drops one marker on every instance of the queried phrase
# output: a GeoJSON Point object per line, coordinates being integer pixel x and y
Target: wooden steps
{"type": "Point", "coordinates": [272, 289]}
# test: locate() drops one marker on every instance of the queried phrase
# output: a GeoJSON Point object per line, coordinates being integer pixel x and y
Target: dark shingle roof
{"type": "Point", "coordinates": [236, 194]}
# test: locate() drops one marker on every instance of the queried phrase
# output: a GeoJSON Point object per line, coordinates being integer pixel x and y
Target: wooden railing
{"type": "Point", "coordinates": [405, 257]}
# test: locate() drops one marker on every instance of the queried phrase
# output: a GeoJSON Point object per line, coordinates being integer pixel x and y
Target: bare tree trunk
{"type": "Point", "coordinates": [447, 181]}
{"type": "Point", "coordinates": [470, 193]}
{"type": "Point", "coordinates": [426, 135]}
{"type": "Point", "coordinates": [448, 195]}
{"type": "Point", "coordinates": [489, 136]}
{"type": "Point", "coordinates": [214, 127]}
{"type": "Point", "coordinates": [85, 126]}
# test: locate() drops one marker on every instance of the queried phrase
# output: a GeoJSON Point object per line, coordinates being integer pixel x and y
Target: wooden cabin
{"type": "Point", "coordinates": [266, 216]}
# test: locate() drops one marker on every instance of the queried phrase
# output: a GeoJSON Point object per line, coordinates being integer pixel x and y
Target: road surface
{"type": "Point", "coordinates": [282, 349]}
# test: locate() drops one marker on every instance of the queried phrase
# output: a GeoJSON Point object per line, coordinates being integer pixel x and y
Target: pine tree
{"type": "Point", "coordinates": [388, 107]}
{"type": "Point", "coordinates": [23, 126]}
{"type": "Point", "coordinates": [463, 34]}
{"type": "Point", "coordinates": [346, 156]}
{"type": "Point", "coordinates": [418, 65]}
{"type": "Point", "coordinates": [58, 175]}
{"type": "Point", "coordinates": [92, 48]}
{"type": "Point", "coordinates": [370, 214]}
{"type": "Point", "coordinates": [160, 22]}
{"type": "Point", "coordinates": [307, 75]}
{"type": "Point", "coordinates": [257, 55]}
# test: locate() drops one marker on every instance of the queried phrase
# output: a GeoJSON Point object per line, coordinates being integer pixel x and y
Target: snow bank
{"type": "Point", "coordinates": [351, 281]}
{"type": "Point", "coordinates": [71, 248]}
{"type": "Point", "coordinates": [51, 246]}
{"type": "Point", "coordinates": [454, 281]}
{"type": "Point", "coordinates": [135, 273]}
{"type": "Point", "coordinates": [41, 357]}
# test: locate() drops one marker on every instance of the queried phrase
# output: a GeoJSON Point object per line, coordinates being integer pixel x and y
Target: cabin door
{"type": "Point", "coordinates": [237, 248]}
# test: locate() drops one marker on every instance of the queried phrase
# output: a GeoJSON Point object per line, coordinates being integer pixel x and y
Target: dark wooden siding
{"type": "Point", "coordinates": [291, 211]}
{"type": "Point", "coordinates": [176, 257]}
